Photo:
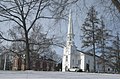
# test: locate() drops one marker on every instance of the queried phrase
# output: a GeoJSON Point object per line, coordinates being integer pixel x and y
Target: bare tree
{"type": "Point", "coordinates": [25, 13]}
{"type": "Point", "coordinates": [103, 35]}
{"type": "Point", "coordinates": [39, 43]}
{"type": "Point", "coordinates": [114, 56]}
{"type": "Point", "coordinates": [108, 8]}
{"type": "Point", "coordinates": [117, 4]}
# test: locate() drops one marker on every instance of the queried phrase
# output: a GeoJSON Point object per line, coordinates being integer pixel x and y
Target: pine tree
{"type": "Point", "coordinates": [115, 55]}
{"type": "Point", "coordinates": [89, 29]}
{"type": "Point", "coordinates": [102, 36]}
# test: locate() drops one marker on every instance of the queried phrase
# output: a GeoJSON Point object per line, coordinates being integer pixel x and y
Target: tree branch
{"type": "Point", "coordinates": [20, 40]}
{"type": "Point", "coordinates": [117, 4]}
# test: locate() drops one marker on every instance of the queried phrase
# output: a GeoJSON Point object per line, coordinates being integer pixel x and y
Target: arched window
{"type": "Point", "coordinates": [66, 68]}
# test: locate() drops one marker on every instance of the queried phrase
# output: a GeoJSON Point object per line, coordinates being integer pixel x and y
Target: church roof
{"type": "Point", "coordinates": [87, 53]}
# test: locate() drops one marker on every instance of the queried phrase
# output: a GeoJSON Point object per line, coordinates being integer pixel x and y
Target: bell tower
{"type": "Point", "coordinates": [70, 35]}
{"type": "Point", "coordinates": [68, 49]}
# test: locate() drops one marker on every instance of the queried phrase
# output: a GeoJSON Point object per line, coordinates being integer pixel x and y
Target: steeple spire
{"type": "Point", "coordinates": [70, 35]}
{"type": "Point", "coordinates": [70, 48]}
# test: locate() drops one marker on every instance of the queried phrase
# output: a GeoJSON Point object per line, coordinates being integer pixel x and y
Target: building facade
{"type": "Point", "coordinates": [73, 58]}
{"type": "Point", "coordinates": [40, 64]}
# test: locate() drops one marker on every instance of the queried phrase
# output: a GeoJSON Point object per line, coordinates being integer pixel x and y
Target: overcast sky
{"type": "Point", "coordinates": [79, 13]}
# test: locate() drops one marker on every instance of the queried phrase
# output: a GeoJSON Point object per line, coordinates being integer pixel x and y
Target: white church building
{"type": "Point", "coordinates": [74, 58]}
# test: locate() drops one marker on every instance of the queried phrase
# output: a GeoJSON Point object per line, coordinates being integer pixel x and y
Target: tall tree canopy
{"type": "Point", "coordinates": [25, 13]}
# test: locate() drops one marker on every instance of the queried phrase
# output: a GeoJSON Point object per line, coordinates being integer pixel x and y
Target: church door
{"type": "Point", "coordinates": [66, 68]}
{"type": "Point", "coordinates": [87, 67]}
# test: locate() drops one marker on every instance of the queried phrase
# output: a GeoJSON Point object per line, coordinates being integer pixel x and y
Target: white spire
{"type": "Point", "coordinates": [70, 27]}
{"type": "Point", "coordinates": [70, 34]}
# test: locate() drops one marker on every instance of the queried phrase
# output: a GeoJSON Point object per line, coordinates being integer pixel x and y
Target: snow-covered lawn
{"type": "Point", "coordinates": [54, 75]}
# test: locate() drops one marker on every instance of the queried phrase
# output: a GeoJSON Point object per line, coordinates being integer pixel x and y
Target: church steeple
{"type": "Point", "coordinates": [69, 48]}
{"type": "Point", "coordinates": [70, 34]}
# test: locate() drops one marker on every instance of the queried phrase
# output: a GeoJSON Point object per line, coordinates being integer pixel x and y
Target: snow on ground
{"type": "Point", "coordinates": [55, 75]}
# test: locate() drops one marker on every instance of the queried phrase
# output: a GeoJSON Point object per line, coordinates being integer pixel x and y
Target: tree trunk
{"type": "Point", "coordinates": [94, 46]}
{"type": "Point", "coordinates": [27, 52]}
{"type": "Point", "coordinates": [117, 57]}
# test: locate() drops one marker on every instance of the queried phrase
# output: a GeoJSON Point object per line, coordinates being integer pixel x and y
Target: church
{"type": "Point", "coordinates": [74, 58]}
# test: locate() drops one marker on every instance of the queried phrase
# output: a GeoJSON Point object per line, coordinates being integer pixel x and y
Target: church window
{"type": "Point", "coordinates": [70, 38]}
{"type": "Point", "coordinates": [66, 58]}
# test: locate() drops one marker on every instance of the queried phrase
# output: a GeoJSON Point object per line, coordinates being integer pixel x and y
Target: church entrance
{"type": "Point", "coordinates": [66, 68]}
{"type": "Point", "coordinates": [87, 67]}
